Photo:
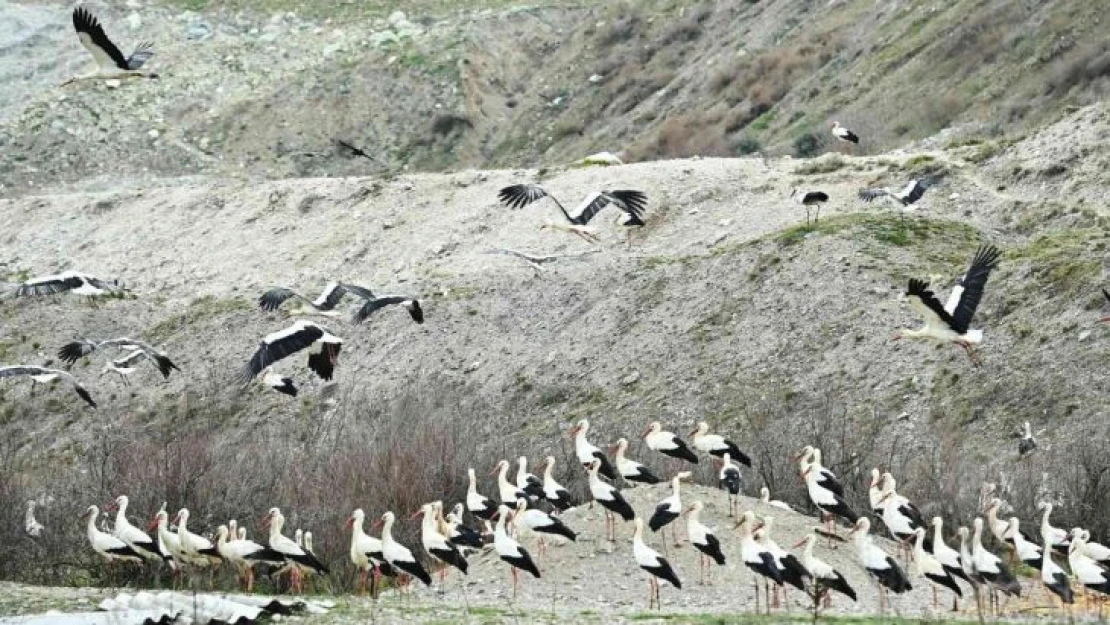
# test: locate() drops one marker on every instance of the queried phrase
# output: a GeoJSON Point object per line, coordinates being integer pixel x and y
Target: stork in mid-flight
{"type": "Point", "coordinates": [110, 62]}
{"type": "Point", "coordinates": [951, 322]}
{"type": "Point", "coordinates": [75, 350]}
{"type": "Point", "coordinates": [631, 203]}
{"type": "Point", "coordinates": [905, 197]}
{"type": "Point", "coordinates": [68, 282]}
{"type": "Point", "coordinates": [42, 375]}
{"type": "Point", "coordinates": [302, 334]}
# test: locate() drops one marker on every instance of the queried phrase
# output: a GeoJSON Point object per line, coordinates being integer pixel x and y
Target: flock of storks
{"type": "Point", "coordinates": [522, 504]}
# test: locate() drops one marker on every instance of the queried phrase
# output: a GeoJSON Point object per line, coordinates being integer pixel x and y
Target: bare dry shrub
{"type": "Point", "coordinates": [1078, 69]}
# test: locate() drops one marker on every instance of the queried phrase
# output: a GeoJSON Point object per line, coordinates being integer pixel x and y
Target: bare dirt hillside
{"type": "Point", "coordinates": [262, 88]}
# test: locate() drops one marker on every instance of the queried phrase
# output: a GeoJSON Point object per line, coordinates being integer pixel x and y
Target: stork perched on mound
{"type": "Point", "coordinates": [42, 375]}
{"type": "Point", "coordinates": [951, 323]}
{"type": "Point", "coordinates": [844, 134]}
{"type": "Point", "coordinates": [273, 347]}
{"type": "Point", "coordinates": [75, 350]}
{"type": "Point", "coordinates": [110, 62]}
{"type": "Point", "coordinates": [906, 197]}
{"type": "Point", "coordinates": [808, 199]}
{"type": "Point", "coordinates": [631, 203]}
{"type": "Point", "coordinates": [67, 281]}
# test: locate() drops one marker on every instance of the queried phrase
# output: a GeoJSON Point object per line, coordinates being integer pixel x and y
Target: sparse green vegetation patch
{"type": "Point", "coordinates": [200, 309]}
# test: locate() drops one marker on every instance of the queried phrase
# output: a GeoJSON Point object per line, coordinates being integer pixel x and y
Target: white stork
{"type": "Point", "coordinates": [459, 533]}
{"type": "Point", "coordinates": [278, 382]}
{"type": "Point", "coordinates": [294, 554]}
{"type": "Point", "coordinates": [397, 555]}
{"type": "Point", "coordinates": [765, 499]}
{"type": "Point", "coordinates": [1003, 532]}
{"type": "Point", "coordinates": [1057, 537]}
{"type": "Point", "coordinates": [948, 557]}
{"type": "Point", "coordinates": [525, 481]}
{"type": "Point", "coordinates": [610, 499]}
{"type": "Point", "coordinates": [1096, 551]}
{"type": "Point", "coordinates": [68, 281]}
{"type": "Point", "coordinates": [323, 305]}
{"type": "Point", "coordinates": [756, 557]}
{"type": "Point", "coordinates": [554, 492]}
{"type": "Point", "coordinates": [654, 564]}
{"type": "Point", "coordinates": [168, 541]}
{"type": "Point", "coordinates": [541, 523]}
{"type": "Point", "coordinates": [717, 445]}
{"type": "Point", "coordinates": [703, 539]}
{"type": "Point", "coordinates": [906, 197]}
{"type": "Point", "coordinates": [825, 577]}
{"type": "Point", "coordinates": [371, 306]}
{"type": "Point", "coordinates": [244, 554]}
{"type": "Point", "coordinates": [731, 481]}
{"type": "Point", "coordinates": [302, 334]}
{"type": "Point", "coordinates": [137, 539]}
{"type": "Point", "coordinates": [108, 546]}
{"type": "Point", "coordinates": [31, 525]}
{"type": "Point", "coordinates": [199, 549]}
{"type": "Point", "coordinates": [808, 199]}
{"type": "Point", "coordinates": [507, 491]}
{"type": "Point", "coordinates": [75, 350]}
{"type": "Point", "coordinates": [1054, 578]}
{"type": "Point", "coordinates": [990, 567]}
{"type": "Point", "coordinates": [110, 62]}
{"type": "Point", "coordinates": [667, 443]}
{"type": "Point", "coordinates": [951, 323]}
{"type": "Point", "coordinates": [510, 550]}
{"type": "Point", "coordinates": [587, 453]}
{"type": "Point", "coordinates": [844, 134]}
{"type": "Point", "coordinates": [631, 203]}
{"type": "Point", "coordinates": [436, 544]}
{"type": "Point", "coordinates": [878, 563]}
{"type": "Point", "coordinates": [790, 568]}
{"type": "Point", "coordinates": [477, 504]}
{"type": "Point", "coordinates": [1087, 571]}
{"type": "Point", "coordinates": [670, 508]}
{"type": "Point", "coordinates": [42, 375]}
{"type": "Point", "coordinates": [900, 516]}
{"type": "Point", "coordinates": [822, 492]}
{"type": "Point", "coordinates": [366, 553]}
{"type": "Point", "coordinates": [931, 569]}
{"type": "Point", "coordinates": [1026, 444]}
{"type": "Point", "coordinates": [875, 493]}
{"type": "Point", "coordinates": [629, 469]}
{"type": "Point", "coordinates": [1027, 551]}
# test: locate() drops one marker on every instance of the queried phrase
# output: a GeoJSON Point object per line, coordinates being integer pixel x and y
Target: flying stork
{"type": "Point", "coordinates": [906, 197]}
{"type": "Point", "coordinates": [75, 350]}
{"type": "Point", "coordinates": [278, 382]}
{"type": "Point", "coordinates": [631, 203]}
{"type": "Point", "coordinates": [77, 282]}
{"type": "Point", "coordinates": [110, 62]}
{"type": "Point", "coordinates": [951, 323]}
{"type": "Point", "coordinates": [42, 375]}
{"type": "Point", "coordinates": [844, 134]}
{"type": "Point", "coordinates": [808, 199]}
{"type": "Point", "coordinates": [323, 305]}
{"type": "Point", "coordinates": [273, 347]}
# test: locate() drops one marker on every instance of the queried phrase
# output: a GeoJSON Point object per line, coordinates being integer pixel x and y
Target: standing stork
{"type": "Point", "coordinates": [554, 492]}
{"type": "Point", "coordinates": [717, 445]}
{"type": "Point", "coordinates": [790, 568]}
{"type": "Point", "coordinates": [1054, 578]}
{"type": "Point", "coordinates": [948, 557]}
{"type": "Point", "coordinates": [656, 565]}
{"type": "Point", "coordinates": [31, 525]}
{"type": "Point", "coordinates": [1027, 551]}
{"type": "Point", "coordinates": [525, 481]}
{"type": "Point", "coordinates": [609, 498]}
{"type": "Point", "coordinates": [108, 546]}
{"type": "Point", "coordinates": [75, 350]}
{"type": "Point", "coordinates": [477, 504]}
{"type": "Point", "coordinates": [825, 577]}
{"type": "Point", "coordinates": [295, 555]}
{"type": "Point", "coordinates": [703, 539]}
{"type": "Point", "coordinates": [670, 508]}
{"type": "Point", "coordinates": [397, 555]}
{"type": "Point", "coordinates": [990, 567]}
{"type": "Point", "coordinates": [1096, 551]}
{"type": "Point", "coordinates": [756, 557]}
{"type": "Point", "coordinates": [42, 375]}
{"type": "Point", "coordinates": [137, 539]}
{"type": "Point", "coordinates": [1087, 571]}
{"type": "Point", "coordinates": [302, 334]}
{"type": "Point", "coordinates": [629, 469]}
{"type": "Point", "coordinates": [878, 563]}
{"type": "Point", "coordinates": [510, 551]}
{"type": "Point", "coordinates": [587, 453]}
{"type": "Point", "coordinates": [822, 492]}
{"type": "Point", "coordinates": [900, 516]}
{"type": "Point", "coordinates": [507, 491]}
{"type": "Point", "coordinates": [1026, 444]}
{"type": "Point", "coordinates": [667, 443]}
{"type": "Point", "coordinates": [1055, 536]}
{"type": "Point", "coordinates": [110, 62]}
{"type": "Point", "coordinates": [541, 523]}
{"type": "Point", "coordinates": [765, 499]}
{"type": "Point", "coordinates": [808, 200]}
{"type": "Point", "coordinates": [931, 569]}
{"type": "Point", "coordinates": [437, 545]}
{"type": "Point", "coordinates": [731, 481]}
{"type": "Point", "coordinates": [366, 554]}
{"type": "Point", "coordinates": [951, 323]}
{"type": "Point", "coordinates": [844, 134]}
{"type": "Point", "coordinates": [245, 554]}
{"type": "Point", "coordinates": [631, 203]}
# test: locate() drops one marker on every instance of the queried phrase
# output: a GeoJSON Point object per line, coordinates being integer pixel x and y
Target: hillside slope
{"type": "Point", "coordinates": [724, 308]}
{"type": "Point", "coordinates": [263, 87]}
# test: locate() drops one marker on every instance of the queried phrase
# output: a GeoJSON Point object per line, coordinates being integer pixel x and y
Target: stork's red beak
{"type": "Point", "coordinates": [153, 525]}
{"type": "Point", "coordinates": [646, 432]}
{"type": "Point", "coordinates": [266, 521]}
{"type": "Point", "coordinates": [799, 543]}
{"type": "Point", "coordinates": [1105, 319]}
{"type": "Point", "coordinates": [416, 514]}
{"type": "Point", "coordinates": [573, 430]}
{"type": "Point", "coordinates": [350, 522]}
{"type": "Point", "coordinates": [495, 469]}
{"type": "Point", "coordinates": [377, 524]}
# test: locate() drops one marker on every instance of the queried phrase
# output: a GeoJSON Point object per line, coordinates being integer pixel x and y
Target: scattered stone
{"type": "Point", "coordinates": [198, 31]}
